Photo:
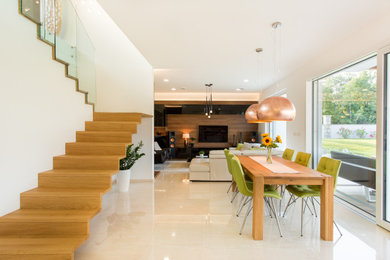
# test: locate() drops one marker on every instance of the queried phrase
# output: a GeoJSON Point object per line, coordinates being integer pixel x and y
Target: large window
{"type": "Point", "coordinates": [344, 125]}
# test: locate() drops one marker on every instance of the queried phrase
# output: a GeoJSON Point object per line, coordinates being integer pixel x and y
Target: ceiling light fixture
{"type": "Point", "coordinates": [166, 80]}
{"type": "Point", "coordinates": [246, 80]}
{"type": "Point", "coordinates": [239, 89]}
{"type": "Point", "coordinates": [272, 108]}
{"type": "Point", "coordinates": [173, 89]}
{"type": "Point", "coordinates": [209, 100]}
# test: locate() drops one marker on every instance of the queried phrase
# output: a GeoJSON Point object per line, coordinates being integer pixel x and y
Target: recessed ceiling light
{"type": "Point", "coordinates": [246, 80]}
{"type": "Point", "coordinates": [166, 80]}
{"type": "Point", "coordinates": [239, 89]}
{"type": "Point", "coordinates": [173, 89]}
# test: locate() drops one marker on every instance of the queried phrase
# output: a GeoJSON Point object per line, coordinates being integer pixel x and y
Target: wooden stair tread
{"type": "Point", "coordinates": [45, 215]}
{"type": "Point", "coordinates": [115, 122]}
{"type": "Point", "coordinates": [96, 148]}
{"type": "Point", "coordinates": [117, 157]}
{"type": "Point", "coordinates": [123, 114]}
{"type": "Point", "coordinates": [61, 192]}
{"type": "Point", "coordinates": [107, 132]}
{"type": "Point", "coordinates": [80, 172]}
{"type": "Point", "coordinates": [42, 245]}
{"type": "Point", "coordinates": [101, 144]}
{"type": "Point", "coordinates": [107, 116]}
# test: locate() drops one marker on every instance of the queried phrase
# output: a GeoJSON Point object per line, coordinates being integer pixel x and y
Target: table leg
{"type": "Point", "coordinates": [327, 209]}
{"type": "Point", "coordinates": [258, 207]}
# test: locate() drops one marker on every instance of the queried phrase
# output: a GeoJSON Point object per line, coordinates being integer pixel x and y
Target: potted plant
{"type": "Point", "coordinates": [201, 153]}
{"type": "Point", "coordinates": [125, 164]}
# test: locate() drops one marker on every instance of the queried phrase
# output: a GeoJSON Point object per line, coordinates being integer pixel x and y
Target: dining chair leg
{"type": "Point", "coordinates": [246, 201]}
{"type": "Point", "coordinates": [341, 234]}
{"type": "Point", "coordinates": [246, 216]}
{"type": "Point", "coordinates": [268, 206]}
{"type": "Point", "coordinates": [276, 216]}
{"type": "Point", "coordinates": [307, 205]}
{"type": "Point", "coordinates": [288, 204]}
{"type": "Point", "coordinates": [314, 206]}
{"type": "Point", "coordinates": [234, 196]}
{"type": "Point", "coordinates": [302, 218]}
{"type": "Point", "coordinates": [231, 184]}
{"type": "Point", "coordinates": [243, 197]}
{"type": "Point", "coordinates": [282, 189]}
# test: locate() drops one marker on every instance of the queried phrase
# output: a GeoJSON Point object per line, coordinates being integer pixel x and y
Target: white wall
{"type": "Point", "coordinates": [124, 78]}
{"type": "Point", "coordinates": [358, 44]}
{"type": "Point", "coordinates": [39, 107]}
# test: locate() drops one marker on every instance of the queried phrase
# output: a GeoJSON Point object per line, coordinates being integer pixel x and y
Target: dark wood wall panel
{"type": "Point", "coordinates": [190, 123]}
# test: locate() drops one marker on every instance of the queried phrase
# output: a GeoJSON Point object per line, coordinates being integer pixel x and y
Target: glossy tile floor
{"type": "Point", "coordinates": [176, 219]}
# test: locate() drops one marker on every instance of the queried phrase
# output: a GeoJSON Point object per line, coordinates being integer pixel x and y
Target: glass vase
{"type": "Point", "coordinates": [269, 155]}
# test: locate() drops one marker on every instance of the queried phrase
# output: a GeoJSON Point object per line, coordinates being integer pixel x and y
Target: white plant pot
{"type": "Point", "coordinates": [124, 180]}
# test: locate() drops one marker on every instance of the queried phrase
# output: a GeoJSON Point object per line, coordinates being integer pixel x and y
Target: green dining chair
{"type": "Point", "coordinates": [246, 189]}
{"type": "Point", "coordinates": [288, 154]}
{"type": "Point", "coordinates": [303, 159]}
{"type": "Point", "coordinates": [227, 155]}
{"type": "Point", "coordinates": [326, 165]}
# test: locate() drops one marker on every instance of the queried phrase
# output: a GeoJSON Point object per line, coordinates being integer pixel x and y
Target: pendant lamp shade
{"type": "Point", "coordinates": [271, 109]}
{"type": "Point", "coordinates": [251, 114]}
{"type": "Point", "coordinates": [276, 109]}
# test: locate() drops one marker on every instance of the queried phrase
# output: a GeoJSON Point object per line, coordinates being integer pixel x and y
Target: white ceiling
{"type": "Point", "coordinates": [200, 41]}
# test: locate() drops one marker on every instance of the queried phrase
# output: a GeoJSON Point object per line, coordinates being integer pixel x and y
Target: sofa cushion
{"type": "Point", "coordinates": [200, 165]}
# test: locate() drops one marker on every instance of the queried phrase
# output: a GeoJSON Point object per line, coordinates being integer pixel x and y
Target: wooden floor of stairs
{"type": "Point", "coordinates": [53, 219]}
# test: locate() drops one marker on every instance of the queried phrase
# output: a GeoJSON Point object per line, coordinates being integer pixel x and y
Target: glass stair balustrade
{"type": "Point", "coordinates": [60, 26]}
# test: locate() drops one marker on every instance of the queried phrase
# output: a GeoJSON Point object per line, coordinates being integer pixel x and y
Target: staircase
{"type": "Point", "coordinates": [53, 219]}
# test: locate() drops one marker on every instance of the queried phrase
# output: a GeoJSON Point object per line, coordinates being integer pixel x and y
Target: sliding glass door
{"type": "Point", "coordinates": [344, 128]}
{"type": "Point", "coordinates": [383, 183]}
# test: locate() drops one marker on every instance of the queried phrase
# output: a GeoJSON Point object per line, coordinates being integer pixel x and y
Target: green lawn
{"type": "Point", "coordinates": [365, 147]}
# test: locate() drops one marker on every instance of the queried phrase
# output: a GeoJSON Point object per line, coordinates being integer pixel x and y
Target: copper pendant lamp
{"type": "Point", "coordinates": [251, 114]}
{"type": "Point", "coordinates": [276, 109]}
{"type": "Point", "coordinates": [272, 108]}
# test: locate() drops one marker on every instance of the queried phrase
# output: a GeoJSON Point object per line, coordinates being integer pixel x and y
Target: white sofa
{"type": "Point", "coordinates": [218, 166]}
{"type": "Point", "coordinates": [199, 169]}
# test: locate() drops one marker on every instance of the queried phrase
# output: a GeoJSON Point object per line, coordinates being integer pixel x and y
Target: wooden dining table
{"type": "Point", "coordinates": [261, 175]}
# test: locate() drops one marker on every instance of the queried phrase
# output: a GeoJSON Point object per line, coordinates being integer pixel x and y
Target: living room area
{"type": "Point", "coordinates": [184, 132]}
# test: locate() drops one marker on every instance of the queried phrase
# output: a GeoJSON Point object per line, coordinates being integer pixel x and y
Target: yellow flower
{"type": "Point", "coordinates": [264, 135]}
{"type": "Point", "coordinates": [278, 139]}
{"type": "Point", "coordinates": [267, 140]}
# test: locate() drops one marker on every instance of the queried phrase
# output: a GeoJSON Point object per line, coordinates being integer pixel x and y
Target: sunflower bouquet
{"type": "Point", "coordinates": [269, 144]}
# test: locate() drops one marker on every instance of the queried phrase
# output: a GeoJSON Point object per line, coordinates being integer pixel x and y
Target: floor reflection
{"type": "Point", "coordinates": [174, 219]}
